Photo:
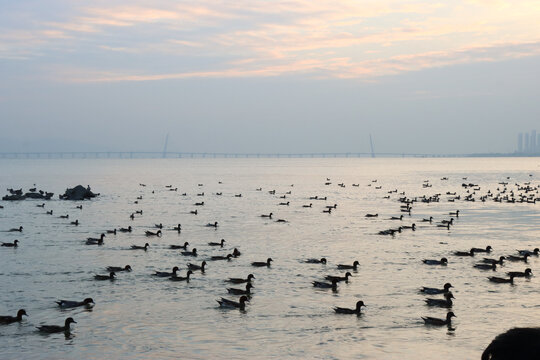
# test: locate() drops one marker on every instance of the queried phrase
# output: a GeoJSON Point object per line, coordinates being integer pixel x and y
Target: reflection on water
{"type": "Point", "coordinates": [139, 315]}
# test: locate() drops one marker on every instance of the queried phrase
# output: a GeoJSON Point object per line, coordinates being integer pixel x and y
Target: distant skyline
{"type": "Point", "coordinates": [269, 76]}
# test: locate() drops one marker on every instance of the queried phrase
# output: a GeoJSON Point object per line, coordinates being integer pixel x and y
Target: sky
{"type": "Point", "coordinates": [260, 76]}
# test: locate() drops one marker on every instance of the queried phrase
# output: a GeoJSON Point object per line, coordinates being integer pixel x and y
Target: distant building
{"type": "Point", "coordinates": [534, 149]}
{"type": "Point", "coordinates": [520, 143]}
{"type": "Point", "coordinates": [527, 148]}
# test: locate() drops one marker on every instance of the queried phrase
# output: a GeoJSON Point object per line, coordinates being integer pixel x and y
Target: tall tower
{"type": "Point", "coordinates": [533, 141]}
{"type": "Point", "coordinates": [527, 148]}
{"type": "Point", "coordinates": [520, 143]}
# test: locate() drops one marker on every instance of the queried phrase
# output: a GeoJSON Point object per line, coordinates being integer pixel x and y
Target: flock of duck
{"type": "Point", "coordinates": [522, 193]}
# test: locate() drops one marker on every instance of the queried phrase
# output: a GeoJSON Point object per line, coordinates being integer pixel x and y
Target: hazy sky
{"type": "Point", "coordinates": [421, 76]}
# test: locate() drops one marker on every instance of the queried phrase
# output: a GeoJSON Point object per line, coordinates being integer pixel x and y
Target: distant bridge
{"type": "Point", "coordinates": [178, 155]}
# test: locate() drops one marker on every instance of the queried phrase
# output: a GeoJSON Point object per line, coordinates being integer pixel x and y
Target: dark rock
{"type": "Point", "coordinates": [79, 192]}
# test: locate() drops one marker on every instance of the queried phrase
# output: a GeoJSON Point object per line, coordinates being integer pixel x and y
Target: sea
{"type": "Point", "coordinates": [141, 316]}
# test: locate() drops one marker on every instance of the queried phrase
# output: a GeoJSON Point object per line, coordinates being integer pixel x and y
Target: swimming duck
{"type": "Point", "coordinates": [526, 273]}
{"type": "Point", "coordinates": [324, 285]}
{"type": "Point", "coordinates": [76, 222]}
{"type": "Point", "coordinates": [517, 258]}
{"type": "Point", "coordinates": [428, 220]}
{"type": "Point", "coordinates": [307, 206]}
{"type": "Point", "coordinates": [128, 229]}
{"type": "Point", "coordinates": [240, 280]}
{"type": "Point", "coordinates": [261, 264]}
{"type": "Point", "coordinates": [225, 303]}
{"type": "Point", "coordinates": [167, 274]}
{"type": "Point", "coordinates": [41, 206]}
{"type": "Point", "coordinates": [412, 227]}
{"type": "Point", "coordinates": [339, 278]}
{"type": "Point", "coordinates": [57, 328]}
{"type": "Point", "coordinates": [199, 203]}
{"type": "Point", "coordinates": [193, 252]}
{"type": "Point", "coordinates": [354, 266]}
{"type": "Point", "coordinates": [68, 304]}
{"type": "Point", "coordinates": [281, 220]}
{"type": "Point", "coordinates": [94, 241]}
{"type": "Point", "coordinates": [49, 212]}
{"type": "Point", "coordinates": [151, 233]}
{"type": "Point", "coordinates": [284, 203]}
{"type": "Point", "coordinates": [372, 215]}
{"type": "Point", "coordinates": [6, 319]}
{"type": "Point", "coordinates": [494, 261]}
{"type": "Point", "coordinates": [443, 261]}
{"type": "Point", "coordinates": [15, 243]}
{"type": "Point", "coordinates": [111, 276]}
{"type": "Point", "coordinates": [182, 278]}
{"type": "Point", "coordinates": [159, 226]}
{"type": "Point", "coordinates": [215, 224]}
{"type": "Point", "coordinates": [111, 231]}
{"type": "Point", "coordinates": [20, 229]}
{"type": "Point", "coordinates": [446, 226]}
{"type": "Point", "coordinates": [236, 253]}
{"type": "Point", "coordinates": [464, 253]}
{"type": "Point", "coordinates": [528, 252]}
{"type": "Point", "coordinates": [197, 267]}
{"type": "Point", "coordinates": [447, 302]}
{"type": "Point", "coordinates": [491, 266]}
{"type": "Point", "coordinates": [194, 212]}
{"type": "Point", "coordinates": [316, 261]}
{"type": "Point", "coordinates": [435, 291]}
{"type": "Point", "coordinates": [340, 310]}
{"type": "Point", "coordinates": [178, 228]}
{"type": "Point", "coordinates": [247, 291]}
{"type": "Point", "coordinates": [79, 207]}
{"type": "Point", "coordinates": [500, 280]}
{"type": "Point", "coordinates": [64, 216]}
{"type": "Point", "coordinates": [118, 268]}
{"type": "Point", "coordinates": [179, 246]}
{"type": "Point", "coordinates": [486, 250]}
{"type": "Point", "coordinates": [217, 243]}
{"type": "Point", "coordinates": [267, 216]}
{"type": "Point", "coordinates": [448, 222]}
{"type": "Point", "coordinates": [396, 218]}
{"type": "Point", "coordinates": [136, 247]}
{"type": "Point", "coordinates": [456, 213]}
{"type": "Point", "coordinates": [439, 322]}
{"type": "Point", "coordinates": [220, 257]}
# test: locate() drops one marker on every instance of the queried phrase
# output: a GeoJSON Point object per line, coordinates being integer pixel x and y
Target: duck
{"type": "Point", "coordinates": [76, 222]}
{"type": "Point", "coordinates": [57, 328]}
{"type": "Point", "coordinates": [194, 212]}
{"type": "Point", "coordinates": [79, 207]}
{"type": "Point", "coordinates": [179, 246]}
{"type": "Point", "coordinates": [500, 280]}
{"type": "Point", "coordinates": [111, 276]}
{"type": "Point", "coordinates": [119, 268]}
{"type": "Point", "coordinates": [447, 302]}
{"type": "Point", "coordinates": [50, 212]}
{"type": "Point", "coordinates": [455, 213]}
{"type": "Point", "coordinates": [354, 266]}
{"type": "Point", "coordinates": [236, 253]}
{"type": "Point", "coordinates": [19, 229]}
{"type": "Point", "coordinates": [396, 217]}
{"type": "Point", "coordinates": [428, 220]}
{"type": "Point", "coordinates": [446, 226]}
{"type": "Point", "coordinates": [516, 343]}
{"type": "Point", "coordinates": [247, 291]}
{"type": "Point", "coordinates": [339, 278]}
{"type": "Point", "coordinates": [182, 278]}
{"type": "Point", "coordinates": [284, 203]}
{"type": "Point", "coordinates": [111, 231]}
{"type": "Point", "coordinates": [215, 224]}
{"type": "Point", "coordinates": [241, 304]}
{"type": "Point", "coordinates": [371, 215]}
{"type": "Point", "coordinates": [528, 252]}
{"type": "Point", "coordinates": [193, 252]}
{"type": "Point", "coordinates": [165, 273]}
{"type": "Point", "coordinates": [281, 220]}
{"type": "Point", "coordinates": [197, 267]}
{"type": "Point", "coordinates": [448, 222]}
{"type": "Point", "coordinates": [15, 243]}
{"type": "Point", "coordinates": [527, 273]}
{"type": "Point", "coordinates": [64, 216]}
{"type": "Point", "coordinates": [327, 211]}
{"type": "Point", "coordinates": [492, 266]}
{"type": "Point", "coordinates": [443, 261]}
{"type": "Point", "coordinates": [494, 261]}
{"type": "Point", "coordinates": [480, 250]}
{"type": "Point", "coordinates": [240, 280]}
{"type": "Point", "coordinates": [136, 247]}
{"type": "Point", "coordinates": [217, 243]}
{"type": "Point", "coordinates": [307, 206]}
{"type": "Point", "coordinates": [412, 227]}
{"type": "Point", "coordinates": [439, 322]}
{"type": "Point", "coordinates": [41, 205]}
{"type": "Point", "coordinates": [325, 285]}
{"type": "Point", "coordinates": [68, 304]}
{"type": "Point", "coordinates": [316, 261]}
{"type": "Point", "coordinates": [159, 226]}
{"type": "Point", "coordinates": [464, 253]}
{"type": "Point", "coordinates": [6, 319]}
{"type": "Point", "coordinates": [267, 216]}
{"type": "Point", "coordinates": [261, 264]}
{"type": "Point", "coordinates": [94, 241]}
{"type": "Point", "coordinates": [517, 258]}
{"type": "Point", "coordinates": [199, 203]}
{"type": "Point", "coordinates": [220, 257]}
{"type": "Point", "coordinates": [359, 304]}
{"type": "Point", "coordinates": [151, 233]}
{"type": "Point", "coordinates": [124, 230]}
{"type": "Point", "coordinates": [436, 291]}
{"type": "Point", "coordinates": [178, 228]}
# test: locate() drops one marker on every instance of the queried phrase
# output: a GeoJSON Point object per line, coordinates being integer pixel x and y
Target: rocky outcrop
{"type": "Point", "coordinates": [79, 192]}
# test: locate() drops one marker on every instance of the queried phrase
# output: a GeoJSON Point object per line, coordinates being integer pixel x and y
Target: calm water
{"type": "Point", "coordinates": [140, 316]}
